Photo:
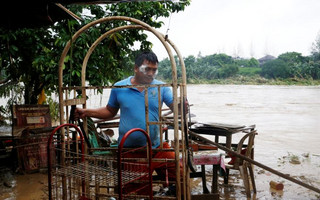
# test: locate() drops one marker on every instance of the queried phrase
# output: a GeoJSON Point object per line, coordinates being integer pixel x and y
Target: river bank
{"type": "Point", "coordinates": [255, 80]}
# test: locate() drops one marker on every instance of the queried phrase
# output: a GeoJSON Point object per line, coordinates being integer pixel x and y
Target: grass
{"type": "Point", "coordinates": [249, 71]}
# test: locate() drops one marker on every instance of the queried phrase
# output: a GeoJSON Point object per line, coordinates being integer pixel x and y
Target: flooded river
{"type": "Point", "coordinates": [287, 117]}
{"type": "Point", "coordinates": [288, 122]}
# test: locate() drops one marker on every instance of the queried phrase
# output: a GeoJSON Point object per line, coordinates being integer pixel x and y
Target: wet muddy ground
{"type": "Point", "coordinates": [34, 186]}
{"type": "Point", "coordinates": [27, 186]}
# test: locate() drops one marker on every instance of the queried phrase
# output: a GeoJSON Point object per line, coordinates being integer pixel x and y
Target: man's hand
{"type": "Point", "coordinates": [185, 106]}
{"type": "Point", "coordinates": [99, 113]}
{"type": "Point", "coordinates": [79, 113]}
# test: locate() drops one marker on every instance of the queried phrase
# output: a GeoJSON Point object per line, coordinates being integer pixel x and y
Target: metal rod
{"type": "Point", "coordinates": [255, 162]}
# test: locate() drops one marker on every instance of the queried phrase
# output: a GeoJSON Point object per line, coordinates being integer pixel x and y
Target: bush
{"type": "Point", "coordinates": [275, 69]}
{"type": "Point", "coordinates": [249, 71]}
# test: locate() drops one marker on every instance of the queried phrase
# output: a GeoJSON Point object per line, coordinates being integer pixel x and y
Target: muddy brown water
{"type": "Point", "coordinates": [287, 119]}
{"type": "Point", "coordinates": [288, 122]}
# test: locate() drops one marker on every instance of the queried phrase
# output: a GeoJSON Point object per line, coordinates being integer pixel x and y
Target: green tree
{"type": "Point", "coordinates": [276, 68]}
{"type": "Point", "coordinates": [292, 58]}
{"type": "Point", "coordinates": [228, 70]}
{"type": "Point", "coordinates": [315, 48]}
{"type": "Point", "coordinates": [22, 51]}
{"type": "Point", "coordinates": [30, 56]}
{"type": "Point", "coordinates": [314, 63]}
{"type": "Point", "coordinates": [294, 61]}
{"type": "Point", "coordinates": [164, 69]}
{"type": "Point", "coordinates": [190, 62]}
{"type": "Point", "coordinates": [215, 60]}
{"type": "Point", "coordinates": [310, 70]}
{"type": "Point", "coordinates": [252, 62]}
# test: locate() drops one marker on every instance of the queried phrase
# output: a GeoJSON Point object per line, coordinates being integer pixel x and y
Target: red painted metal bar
{"type": "Point", "coordinates": [49, 154]}
{"type": "Point", "coordinates": [120, 189]}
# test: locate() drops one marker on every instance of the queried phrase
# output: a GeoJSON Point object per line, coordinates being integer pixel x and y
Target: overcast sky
{"type": "Point", "coordinates": [246, 28]}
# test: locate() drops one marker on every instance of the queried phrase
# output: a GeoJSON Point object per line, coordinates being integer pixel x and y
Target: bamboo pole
{"type": "Point", "coordinates": [255, 162]}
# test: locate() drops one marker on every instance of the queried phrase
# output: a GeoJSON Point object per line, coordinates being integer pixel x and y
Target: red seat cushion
{"type": "Point", "coordinates": [233, 158]}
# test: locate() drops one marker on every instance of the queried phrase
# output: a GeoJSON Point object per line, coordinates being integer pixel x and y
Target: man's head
{"type": "Point", "coordinates": [146, 67]}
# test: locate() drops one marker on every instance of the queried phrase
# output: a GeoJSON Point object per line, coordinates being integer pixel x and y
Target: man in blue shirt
{"type": "Point", "coordinates": [131, 103]}
{"type": "Point", "coordinates": [132, 109]}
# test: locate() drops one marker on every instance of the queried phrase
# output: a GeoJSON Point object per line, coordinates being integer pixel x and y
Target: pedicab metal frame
{"type": "Point", "coordinates": [180, 129]}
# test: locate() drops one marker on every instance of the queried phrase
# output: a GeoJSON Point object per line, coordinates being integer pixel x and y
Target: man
{"type": "Point", "coordinates": [131, 102]}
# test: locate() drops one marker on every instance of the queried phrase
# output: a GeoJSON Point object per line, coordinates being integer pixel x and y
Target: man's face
{"type": "Point", "coordinates": [146, 72]}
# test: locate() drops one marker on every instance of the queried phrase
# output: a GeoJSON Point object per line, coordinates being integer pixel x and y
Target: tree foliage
{"type": "Point", "coordinates": [252, 62]}
{"type": "Point", "coordinates": [315, 48]}
{"type": "Point", "coordinates": [30, 56]}
{"type": "Point", "coordinates": [222, 66]}
{"type": "Point", "coordinates": [275, 69]}
{"type": "Point", "coordinates": [207, 67]}
{"type": "Point", "coordinates": [292, 65]}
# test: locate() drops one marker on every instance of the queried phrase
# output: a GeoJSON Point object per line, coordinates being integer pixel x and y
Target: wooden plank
{"type": "Point", "coordinates": [70, 102]}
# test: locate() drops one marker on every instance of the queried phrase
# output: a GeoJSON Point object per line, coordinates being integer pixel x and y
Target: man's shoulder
{"type": "Point", "coordinates": [155, 81]}
{"type": "Point", "coordinates": [123, 82]}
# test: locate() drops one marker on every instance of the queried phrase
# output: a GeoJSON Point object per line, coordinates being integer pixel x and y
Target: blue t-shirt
{"type": "Point", "coordinates": [132, 111]}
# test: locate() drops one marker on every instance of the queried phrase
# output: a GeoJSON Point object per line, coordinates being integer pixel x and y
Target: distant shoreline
{"type": "Point", "coordinates": [256, 80]}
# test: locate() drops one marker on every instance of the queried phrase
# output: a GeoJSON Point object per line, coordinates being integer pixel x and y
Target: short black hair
{"type": "Point", "coordinates": [147, 55]}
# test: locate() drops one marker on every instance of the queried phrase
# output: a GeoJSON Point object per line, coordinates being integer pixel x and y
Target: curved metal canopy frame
{"type": "Point", "coordinates": [165, 42]}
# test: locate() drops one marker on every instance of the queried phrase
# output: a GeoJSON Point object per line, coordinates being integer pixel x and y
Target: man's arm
{"type": "Point", "coordinates": [186, 107]}
{"type": "Point", "coordinates": [100, 113]}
